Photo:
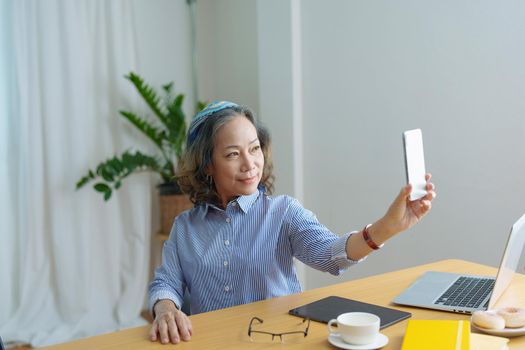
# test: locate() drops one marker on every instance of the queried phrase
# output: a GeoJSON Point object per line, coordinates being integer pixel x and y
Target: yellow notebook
{"type": "Point", "coordinates": [487, 342]}
{"type": "Point", "coordinates": [437, 335]}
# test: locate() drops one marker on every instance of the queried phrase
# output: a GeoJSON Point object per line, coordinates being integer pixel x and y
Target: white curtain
{"type": "Point", "coordinates": [70, 264]}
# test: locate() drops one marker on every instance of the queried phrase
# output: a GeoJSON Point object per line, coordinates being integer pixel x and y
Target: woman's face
{"type": "Point", "coordinates": [237, 160]}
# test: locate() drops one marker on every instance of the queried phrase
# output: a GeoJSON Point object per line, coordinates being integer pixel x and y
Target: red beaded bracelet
{"type": "Point", "coordinates": [369, 240]}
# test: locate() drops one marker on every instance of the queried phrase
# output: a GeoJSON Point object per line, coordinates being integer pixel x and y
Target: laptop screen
{"type": "Point", "coordinates": [510, 260]}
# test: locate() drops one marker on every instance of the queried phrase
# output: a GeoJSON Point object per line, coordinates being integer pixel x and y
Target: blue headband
{"type": "Point", "coordinates": [200, 117]}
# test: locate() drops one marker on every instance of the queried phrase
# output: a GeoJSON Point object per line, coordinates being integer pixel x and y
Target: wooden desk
{"type": "Point", "coordinates": [227, 328]}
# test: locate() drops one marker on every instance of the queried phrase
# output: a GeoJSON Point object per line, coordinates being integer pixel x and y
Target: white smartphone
{"type": "Point", "coordinates": [415, 163]}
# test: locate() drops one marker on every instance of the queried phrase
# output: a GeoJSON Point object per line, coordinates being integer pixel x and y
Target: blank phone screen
{"type": "Point", "coordinates": [415, 163]}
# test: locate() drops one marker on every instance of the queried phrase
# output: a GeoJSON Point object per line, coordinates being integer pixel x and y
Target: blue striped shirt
{"type": "Point", "coordinates": [244, 253]}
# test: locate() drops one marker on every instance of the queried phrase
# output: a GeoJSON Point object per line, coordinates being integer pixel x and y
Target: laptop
{"type": "Point", "coordinates": [467, 293]}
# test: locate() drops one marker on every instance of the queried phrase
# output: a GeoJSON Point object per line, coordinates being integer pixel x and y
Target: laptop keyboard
{"type": "Point", "coordinates": [466, 292]}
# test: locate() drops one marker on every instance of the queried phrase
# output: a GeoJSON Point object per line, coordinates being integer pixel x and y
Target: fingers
{"type": "Point", "coordinates": [173, 331]}
{"type": "Point", "coordinates": [426, 205]}
{"type": "Point", "coordinates": [431, 193]}
{"type": "Point", "coordinates": [171, 327]}
{"type": "Point", "coordinates": [185, 327]}
{"type": "Point", "coordinates": [431, 189]}
{"type": "Point", "coordinates": [420, 207]}
{"type": "Point", "coordinates": [153, 332]}
{"type": "Point", "coordinates": [404, 193]}
{"type": "Point", "coordinates": [165, 333]}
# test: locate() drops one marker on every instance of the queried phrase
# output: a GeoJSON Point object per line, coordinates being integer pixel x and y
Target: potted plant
{"type": "Point", "coordinates": [168, 134]}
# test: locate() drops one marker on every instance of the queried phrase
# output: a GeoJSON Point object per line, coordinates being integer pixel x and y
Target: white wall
{"type": "Point", "coordinates": [227, 51]}
{"type": "Point", "coordinates": [453, 68]}
{"type": "Point", "coordinates": [370, 70]}
{"type": "Point", "coordinates": [163, 32]}
{"type": "Point", "coordinates": [164, 47]}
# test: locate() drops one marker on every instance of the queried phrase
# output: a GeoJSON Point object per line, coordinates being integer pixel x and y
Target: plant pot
{"type": "Point", "coordinates": [172, 203]}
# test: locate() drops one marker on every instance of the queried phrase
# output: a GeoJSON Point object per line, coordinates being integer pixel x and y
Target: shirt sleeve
{"type": "Point", "coordinates": [314, 244]}
{"type": "Point", "coordinates": [168, 282]}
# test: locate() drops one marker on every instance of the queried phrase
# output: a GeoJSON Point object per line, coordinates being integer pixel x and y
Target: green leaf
{"type": "Point", "coordinates": [82, 182]}
{"type": "Point", "coordinates": [85, 179]}
{"type": "Point", "coordinates": [179, 100]}
{"type": "Point", "coordinates": [147, 129]}
{"type": "Point", "coordinates": [167, 87]}
{"type": "Point", "coordinates": [177, 126]}
{"type": "Point", "coordinates": [116, 165]}
{"type": "Point", "coordinates": [105, 172]}
{"type": "Point", "coordinates": [148, 94]}
{"type": "Point", "coordinates": [107, 195]}
{"type": "Point", "coordinates": [102, 187]}
{"type": "Point", "coordinates": [128, 161]}
{"type": "Point", "coordinates": [200, 106]}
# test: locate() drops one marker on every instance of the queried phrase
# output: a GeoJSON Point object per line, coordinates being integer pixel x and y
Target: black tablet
{"type": "Point", "coordinates": [330, 307]}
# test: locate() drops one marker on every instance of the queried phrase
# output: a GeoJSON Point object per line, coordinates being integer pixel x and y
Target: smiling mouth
{"type": "Point", "coordinates": [249, 180]}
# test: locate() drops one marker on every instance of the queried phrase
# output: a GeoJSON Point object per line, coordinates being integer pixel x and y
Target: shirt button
{"type": "Point", "coordinates": [228, 220]}
{"type": "Point", "coordinates": [225, 263]}
{"type": "Point", "coordinates": [234, 204]}
{"type": "Point", "coordinates": [227, 242]}
{"type": "Point", "coordinates": [227, 288]}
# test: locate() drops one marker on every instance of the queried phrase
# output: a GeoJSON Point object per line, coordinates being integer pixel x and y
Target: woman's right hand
{"type": "Point", "coordinates": [170, 324]}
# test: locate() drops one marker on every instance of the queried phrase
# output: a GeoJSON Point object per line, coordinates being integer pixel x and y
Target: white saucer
{"type": "Point", "coordinates": [335, 340]}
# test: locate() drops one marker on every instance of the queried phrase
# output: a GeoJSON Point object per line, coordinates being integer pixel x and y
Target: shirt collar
{"type": "Point", "coordinates": [244, 202]}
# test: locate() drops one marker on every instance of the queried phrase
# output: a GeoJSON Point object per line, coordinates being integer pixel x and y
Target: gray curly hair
{"type": "Point", "coordinates": [192, 177]}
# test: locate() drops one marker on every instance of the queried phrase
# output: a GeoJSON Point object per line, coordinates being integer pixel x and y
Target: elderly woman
{"type": "Point", "coordinates": [237, 244]}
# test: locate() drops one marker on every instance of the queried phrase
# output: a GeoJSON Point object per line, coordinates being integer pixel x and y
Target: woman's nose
{"type": "Point", "coordinates": [247, 163]}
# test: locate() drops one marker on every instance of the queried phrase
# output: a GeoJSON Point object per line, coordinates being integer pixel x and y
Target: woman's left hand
{"type": "Point", "coordinates": [404, 213]}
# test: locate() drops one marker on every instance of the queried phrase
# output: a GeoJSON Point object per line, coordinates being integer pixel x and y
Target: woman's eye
{"type": "Point", "coordinates": [232, 155]}
{"type": "Point", "coordinates": [256, 148]}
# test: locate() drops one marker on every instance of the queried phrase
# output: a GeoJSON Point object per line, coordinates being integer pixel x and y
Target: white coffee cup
{"type": "Point", "coordinates": [357, 328]}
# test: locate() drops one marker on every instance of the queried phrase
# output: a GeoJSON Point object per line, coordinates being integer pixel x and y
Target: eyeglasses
{"type": "Point", "coordinates": [284, 337]}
